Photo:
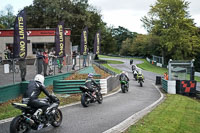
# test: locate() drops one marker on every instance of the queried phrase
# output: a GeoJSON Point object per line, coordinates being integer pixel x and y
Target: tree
{"type": "Point", "coordinates": [171, 22]}
{"type": "Point", "coordinates": [7, 18]}
{"type": "Point", "coordinates": [121, 34]}
{"type": "Point", "coordinates": [77, 14]}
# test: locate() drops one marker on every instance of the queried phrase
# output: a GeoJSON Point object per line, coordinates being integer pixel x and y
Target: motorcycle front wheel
{"type": "Point", "coordinates": [57, 118]}
{"type": "Point", "coordinates": [84, 100]}
{"type": "Point", "coordinates": [18, 125]}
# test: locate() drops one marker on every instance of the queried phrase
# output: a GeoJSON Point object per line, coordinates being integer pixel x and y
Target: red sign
{"type": "Point", "coordinates": [7, 33]}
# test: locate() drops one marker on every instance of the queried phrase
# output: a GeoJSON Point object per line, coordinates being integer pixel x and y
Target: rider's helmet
{"type": "Point", "coordinates": [39, 78]}
{"type": "Point", "coordinates": [90, 75]}
{"type": "Point", "coordinates": [124, 72]}
{"type": "Point", "coordinates": [139, 71]}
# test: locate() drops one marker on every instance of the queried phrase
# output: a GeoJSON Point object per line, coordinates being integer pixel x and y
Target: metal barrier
{"type": "Point", "coordinates": [13, 91]}
{"type": "Point", "coordinates": [68, 86]}
{"type": "Point", "coordinates": [104, 68]}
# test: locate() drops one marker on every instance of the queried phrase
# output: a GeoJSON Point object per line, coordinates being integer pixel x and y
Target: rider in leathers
{"type": "Point", "coordinates": [123, 76]}
{"type": "Point", "coordinates": [90, 83]}
{"type": "Point", "coordinates": [35, 87]}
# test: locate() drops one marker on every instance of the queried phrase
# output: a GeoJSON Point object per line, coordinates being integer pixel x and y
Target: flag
{"type": "Point", "coordinates": [60, 40]}
{"type": "Point", "coordinates": [20, 36]}
{"type": "Point", "coordinates": [84, 41]}
{"type": "Point", "coordinates": [97, 43]}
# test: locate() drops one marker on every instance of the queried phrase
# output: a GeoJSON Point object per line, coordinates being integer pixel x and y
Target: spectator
{"type": "Point", "coordinates": [60, 64]}
{"type": "Point", "coordinates": [45, 61]}
{"type": "Point", "coordinates": [74, 54]}
{"type": "Point", "coordinates": [39, 56]}
{"type": "Point", "coordinates": [22, 67]}
{"type": "Point", "coordinates": [51, 60]}
{"type": "Point", "coordinates": [7, 53]}
{"type": "Point", "coordinates": [85, 58]}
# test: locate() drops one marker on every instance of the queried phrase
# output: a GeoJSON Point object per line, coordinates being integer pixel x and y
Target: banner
{"type": "Point", "coordinates": [20, 36]}
{"type": "Point", "coordinates": [84, 41]}
{"type": "Point", "coordinates": [60, 40]}
{"type": "Point", "coordinates": [97, 43]}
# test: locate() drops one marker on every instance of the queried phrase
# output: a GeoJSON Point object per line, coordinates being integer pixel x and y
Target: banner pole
{"type": "Point", "coordinates": [79, 62]}
{"type": "Point", "coordinates": [54, 62]}
{"type": "Point", "coordinates": [13, 70]}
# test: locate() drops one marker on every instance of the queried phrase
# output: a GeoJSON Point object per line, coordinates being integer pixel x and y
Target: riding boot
{"type": "Point", "coordinates": [37, 113]}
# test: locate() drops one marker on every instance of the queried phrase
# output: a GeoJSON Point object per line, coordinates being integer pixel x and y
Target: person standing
{"type": "Point", "coordinates": [39, 56]}
{"type": "Point", "coordinates": [51, 60]}
{"type": "Point", "coordinates": [60, 64]}
{"type": "Point", "coordinates": [22, 67]}
{"type": "Point", "coordinates": [7, 53]}
{"type": "Point", "coordinates": [74, 54]}
{"type": "Point", "coordinates": [45, 61]}
{"type": "Point", "coordinates": [85, 58]}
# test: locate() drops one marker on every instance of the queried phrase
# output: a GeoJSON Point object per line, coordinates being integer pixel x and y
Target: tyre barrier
{"type": "Point", "coordinates": [68, 86]}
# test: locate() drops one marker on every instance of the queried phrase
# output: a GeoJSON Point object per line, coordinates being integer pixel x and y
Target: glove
{"type": "Point", "coordinates": [53, 98]}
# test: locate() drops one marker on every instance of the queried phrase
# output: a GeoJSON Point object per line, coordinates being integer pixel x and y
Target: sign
{"type": "Point", "coordinates": [84, 41]}
{"type": "Point", "coordinates": [60, 40]}
{"type": "Point", "coordinates": [20, 36]}
{"type": "Point", "coordinates": [47, 32]}
{"type": "Point", "coordinates": [97, 43]}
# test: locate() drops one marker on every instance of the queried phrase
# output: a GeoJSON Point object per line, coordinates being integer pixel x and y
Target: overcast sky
{"type": "Point", "coordinates": [126, 13]}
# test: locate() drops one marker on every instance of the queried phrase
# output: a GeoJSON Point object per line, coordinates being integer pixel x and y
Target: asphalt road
{"type": "Point", "coordinates": [98, 118]}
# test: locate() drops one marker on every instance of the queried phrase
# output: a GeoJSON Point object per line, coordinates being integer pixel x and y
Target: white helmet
{"type": "Point", "coordinates": [90, 75]}
{"type": "Point", "coordinates": [139, 71]}
{"type": "Point", "coordinates": [39, 78]}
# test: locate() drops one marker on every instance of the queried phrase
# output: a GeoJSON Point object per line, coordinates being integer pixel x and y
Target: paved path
{"type": "Point", "coordinates": [99, 118]}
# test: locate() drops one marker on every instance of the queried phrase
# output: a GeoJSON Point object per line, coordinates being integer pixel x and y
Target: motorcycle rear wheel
{"type": "Point", "coordinates": [18, 125]}
{"type": "Point", "coordinates": [58, 118]}
{"type": "Point", "coordinates": [123, 88]}
{"type": "Point", "coordinates": [141, 84]}
{"type": "Point", "coordinates": [100, 98]}
{"type": "Point", "coordinates": [84, 100]}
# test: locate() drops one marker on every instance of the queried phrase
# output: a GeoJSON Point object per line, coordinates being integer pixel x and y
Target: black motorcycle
{"type": "Point", "coordinates": [88, 97]}
{"type": "Point", "coordinates": [25, 122]}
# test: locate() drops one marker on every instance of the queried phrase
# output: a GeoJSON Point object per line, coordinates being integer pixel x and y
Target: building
{"type": "Point", "coordinates": [38, 39]}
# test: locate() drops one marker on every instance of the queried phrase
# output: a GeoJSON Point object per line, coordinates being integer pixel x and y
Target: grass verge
{"type": "Point", "coordinates": [114, 62]}
{"type": "Point", "coordinates": [177, 114]}
{"type": "Point", "coordinates": [152, 68]}
{"type": "Point", "coordinates": [112, 69]}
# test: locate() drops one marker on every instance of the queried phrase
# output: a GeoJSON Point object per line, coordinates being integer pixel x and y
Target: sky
{"type": "Point", "coordinates": [125, 13]}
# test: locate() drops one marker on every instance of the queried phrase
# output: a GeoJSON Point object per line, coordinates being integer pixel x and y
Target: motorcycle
{"type": "Point", "coordinates": [25, 122]}
{"type": "Point", "coordinates": [135, 75]}
{"type": "Point", "coordinates": [88, 97]}
{"type": "Point", "coordinates": [124, 86]}
{"type": "Point", "coordinates": [140, 80]}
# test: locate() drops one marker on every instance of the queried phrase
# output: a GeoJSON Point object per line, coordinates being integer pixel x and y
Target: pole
{"type": "Point", "coordinates": [192, 70]}
{"type": "Point", "coordinates": [13, 68]}
{"type": "Point", "coordinates": [79, 62]}
{"type": "Point", "coordinates": [67, 63]}
{"type": "Point", "coordinates": [54, 63]}
{"type": "Point", "coordinates": [169, 65]}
